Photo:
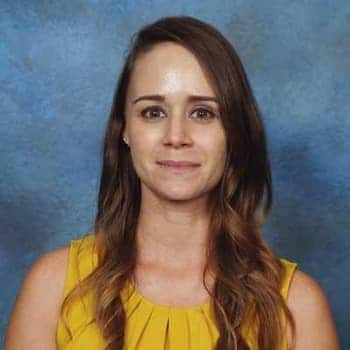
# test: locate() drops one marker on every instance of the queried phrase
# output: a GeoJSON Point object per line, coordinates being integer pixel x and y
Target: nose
{"type": "Point", "coordinates": [177, 131]}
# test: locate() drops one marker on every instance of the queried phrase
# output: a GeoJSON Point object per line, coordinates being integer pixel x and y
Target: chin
{"type": "Point", "coordinates": [178, 194]}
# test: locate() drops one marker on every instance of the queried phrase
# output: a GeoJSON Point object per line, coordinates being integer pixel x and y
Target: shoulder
{"type": "Point", "coordinates": [47, 272]}
{"type": "Point", "coordinates": [52, 259]}
{"type": "Point", "coordinates": [45, 277]}
{"type": "Point", "coordinates": [311, 310]}
{"type": "Point", "coordinates": [36, 310]}
{"type": "Point", "coordinates": [306, 296]}
{"type": "Point", "coordinates": [50, 268]}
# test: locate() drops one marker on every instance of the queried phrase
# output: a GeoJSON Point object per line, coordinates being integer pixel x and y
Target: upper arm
{"type": "Point", "coordinates": [33, 320]}
{"type": "Point", "coordinates": [315, 328]}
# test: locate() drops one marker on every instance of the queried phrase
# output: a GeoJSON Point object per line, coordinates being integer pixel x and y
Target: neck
{"type": "Point", "coordinates": [173, 233]}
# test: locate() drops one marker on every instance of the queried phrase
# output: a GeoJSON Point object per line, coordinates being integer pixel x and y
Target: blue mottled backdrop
{"type": "Point", "coordinates": [59, 61]}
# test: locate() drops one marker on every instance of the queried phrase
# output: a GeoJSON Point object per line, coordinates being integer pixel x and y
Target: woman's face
{"type": "Point", "coordinates": [170, 125]}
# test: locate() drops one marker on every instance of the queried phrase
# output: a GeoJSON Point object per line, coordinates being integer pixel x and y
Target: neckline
{"type": "Point", "coordinates": [167, 307]}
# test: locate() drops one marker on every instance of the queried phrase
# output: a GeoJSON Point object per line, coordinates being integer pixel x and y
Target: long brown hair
{"type": "Point", "coordinates": [249, 274]}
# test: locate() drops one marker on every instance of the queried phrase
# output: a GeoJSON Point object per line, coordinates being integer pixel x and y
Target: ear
{"type": "Point", "coordinates": [125, 138]}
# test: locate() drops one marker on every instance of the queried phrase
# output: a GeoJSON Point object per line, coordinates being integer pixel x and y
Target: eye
{"type": "Point", "coordinates": [151, 112]}
{"type": "Point", "coordinates": [205, 113]}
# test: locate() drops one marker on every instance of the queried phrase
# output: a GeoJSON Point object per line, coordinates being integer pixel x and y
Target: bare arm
{"type": "Point", "coordinates": [315, 327]}
{"type": "Point", "coordinates": [32, 324]}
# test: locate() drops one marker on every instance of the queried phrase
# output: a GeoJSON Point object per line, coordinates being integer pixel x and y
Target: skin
{"type": "Point", "coordinates": [173, 226]}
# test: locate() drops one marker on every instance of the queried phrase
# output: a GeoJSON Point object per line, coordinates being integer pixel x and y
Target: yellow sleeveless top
{"type": "Point", "coordinates": [149, 326]}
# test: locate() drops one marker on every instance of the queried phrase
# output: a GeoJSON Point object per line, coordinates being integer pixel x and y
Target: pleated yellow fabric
{"type": "Point", "coordinates": [149, 326]}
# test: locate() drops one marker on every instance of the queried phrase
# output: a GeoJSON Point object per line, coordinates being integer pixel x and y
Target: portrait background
{"type": "Point", "coordinates": [59, 62]}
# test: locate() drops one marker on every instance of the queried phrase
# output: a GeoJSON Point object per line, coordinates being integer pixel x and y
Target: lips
{"type": "Point", "coordinates": [180, 163]}
{"type": "Point", "coordinates": [180, 167]}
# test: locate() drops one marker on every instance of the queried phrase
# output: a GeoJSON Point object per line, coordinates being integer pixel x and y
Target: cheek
{"type": "Point", "coordinates": [143, 135]}
{"type": "Point", "coordinates": [217, 156]}
{"type": "Point", "coordinates": [215, 146]}
{"type": "Point", "coordinates": [220, 156]}
{"type": "Point", "coordinates": [142, 153]}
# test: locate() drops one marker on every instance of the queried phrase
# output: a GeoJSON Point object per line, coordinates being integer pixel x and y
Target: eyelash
{"type": "Point", "coordinates": [155, 108]}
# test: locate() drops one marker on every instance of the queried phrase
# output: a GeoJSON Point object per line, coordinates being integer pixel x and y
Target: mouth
{"type": "Point", "coordinates": [179, 167]}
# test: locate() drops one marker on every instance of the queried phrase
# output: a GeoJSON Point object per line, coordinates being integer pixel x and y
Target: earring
{"type": "Point", "coordinates": [125, 141]}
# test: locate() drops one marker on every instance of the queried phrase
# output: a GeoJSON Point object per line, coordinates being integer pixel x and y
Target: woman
{"type": "Point", "coordinates": [177, 259]}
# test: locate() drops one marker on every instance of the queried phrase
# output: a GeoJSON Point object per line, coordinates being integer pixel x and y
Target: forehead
{"type": "Point", "coordinates": [169, 68]}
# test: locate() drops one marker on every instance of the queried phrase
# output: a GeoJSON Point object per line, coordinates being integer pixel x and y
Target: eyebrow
{"type": "Point", "coordinates": [190, 98]}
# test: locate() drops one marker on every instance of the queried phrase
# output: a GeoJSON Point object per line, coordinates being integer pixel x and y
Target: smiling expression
{"type": "Point", "coordinates": [172, 114]}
